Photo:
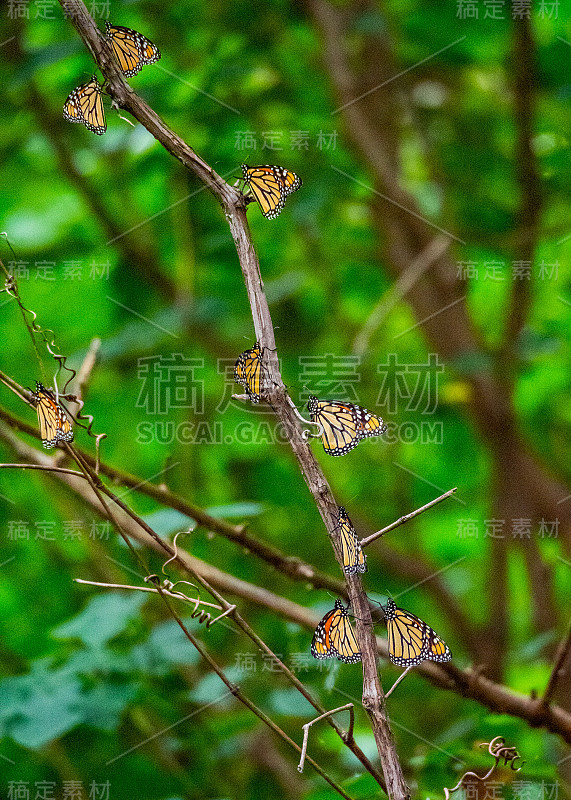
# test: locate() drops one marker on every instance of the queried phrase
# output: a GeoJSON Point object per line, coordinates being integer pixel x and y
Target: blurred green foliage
{"type": "Point", "coordinates": [88, 676]}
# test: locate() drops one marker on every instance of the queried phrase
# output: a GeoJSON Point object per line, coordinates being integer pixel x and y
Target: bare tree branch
{"type": "Point", "coordinates": [406, 517]}
{"type": "Point", "coordinates": [349, 707]}
{"type": "Point", "coordinates": [235, 213]}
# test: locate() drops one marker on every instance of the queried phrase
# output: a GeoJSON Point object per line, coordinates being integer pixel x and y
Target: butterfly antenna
{"type": "Point", "coordinates": [380, 607]}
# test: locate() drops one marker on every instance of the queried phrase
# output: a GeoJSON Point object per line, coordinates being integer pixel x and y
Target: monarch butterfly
{"type": "Point", "coordinates": [132, 50]}
{"type": "Point", "coordinates": [248, 371]}
{"type": "Point", "coordinates": [412, 641]}
{"type": "Point", "coordinates": [54, 425]}
{"type": "Point", "coordinates": [334, 637]}
{"type": "Point", "coordinates": [354, 559]}
{"type": "Point", "coordinates": [344, 425]}
{"type": "Point", "coordinates": [84, 104]}
{"type": "Point", "coordinates": [270, 187]}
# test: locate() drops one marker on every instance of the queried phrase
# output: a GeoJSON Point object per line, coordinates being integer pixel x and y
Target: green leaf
{"type": "Point", "coordinates": [102, 706]}
{"type": "Point", "coordinates": [166, 646]}
{"type": "Point", "coordinates": [290, 702]}
{"type": "Point", "coordinates": [104, 617]}
{"type": "Point", "coordinates": [39, 707]}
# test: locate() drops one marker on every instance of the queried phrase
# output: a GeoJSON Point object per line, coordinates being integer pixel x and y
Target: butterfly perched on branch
{"type": "Point", "coordinates": [53, 421]}
{"type": "Point", "coordinates": [132, 50]}
{"type": "Point", "coordinates": [354, 560]}
{"type": "Point", "coordinates": [343, 425]}
{"type": "Point", "coordinates": [412, 641]}
{"type": "Point", "coordinates": [85, 105]}
{"type": "Point", "coordinates": [248, 371]}
{"type": "Point", "coordinates": [270, 186]}
{"type": "Point", "coordinates": [334, 637]}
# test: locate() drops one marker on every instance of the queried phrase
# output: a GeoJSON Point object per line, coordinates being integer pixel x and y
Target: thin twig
{"type": "Point", "coordinates": [498, 750]}
{"type": "Point", "coordinates": [292, 566]}
{"type": "Point", "coordinates": [99, 489]}
{"type": "Point", "coordinates": [237, 692]}
{"type": "Point", "coordinates": [308, 725]}
{"type": "Point", "coordinates": [398, 680]}
{"type": "Point", "coordinates": [44, 467]}
{"type": "Point", "coordinates": [469, 683]}
{"type": "Point", "coordinates": [159, 493]}
{"type": "Point", "coordinates": [368, 539]}
{"type": "Point", "coordinates": [151, 589]}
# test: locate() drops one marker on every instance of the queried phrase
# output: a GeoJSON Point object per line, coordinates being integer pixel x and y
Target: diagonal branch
{"type": "Point", "coordinates": [235, 213]}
